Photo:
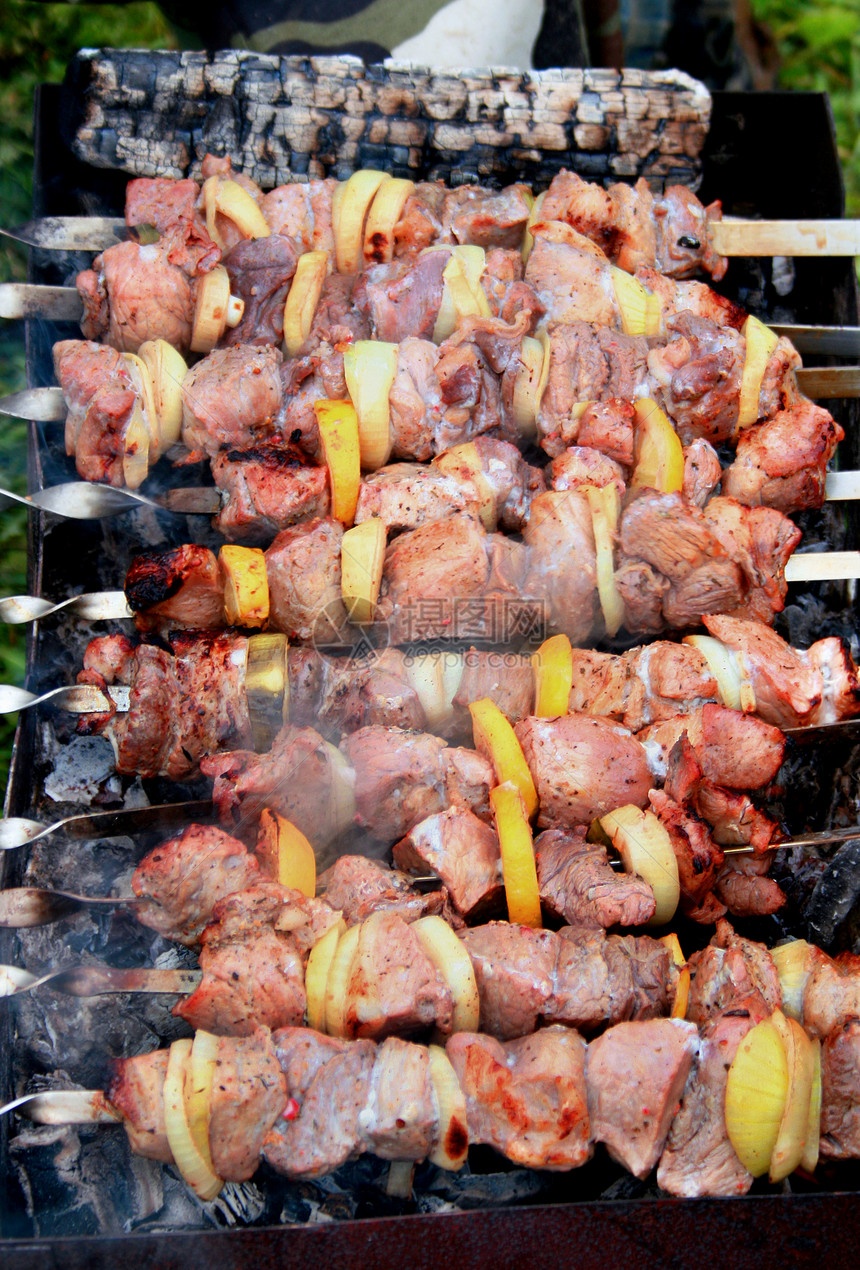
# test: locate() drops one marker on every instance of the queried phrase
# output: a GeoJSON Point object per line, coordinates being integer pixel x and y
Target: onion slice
{"type": "Point", "coordinates": [637, 315]}
{"type": "Point", "coordinates": [659, 453]}
{"type": "Point", "coordinates": [495, 738]}
{"type": "Point", "coordinates": [534, 216]}
{"type": "Point", "coordinates": [215, 309]}
{"type": "Point", "coordinates": [385, 212]}
{"type": "Point", "coordinates": [358, 194]}
{"type": "Point", "coordinates": [188, 1158]}
{"type": "Point", "coordinates": [135, 456]}
{"type": "Point", "coordinates": [337, 981]}
{"type": "Point", "coordinates": [339, 433]}
{"type": "Point", "coordinates": [682, 988]}
{"type": "Point", "coordinates": [466, 458]}
{"type": "Point", "coordinates": [756, 1092]}
{"type": "Point", "coordinates": [246, 585]}
{"type": "Point", "coordinates": [645, 847]}
{"type": "Point", "coordinates": [138, 372]}
{"type": "Point", "coordinates": [167, 370]}
{"type": "Point", "coordinates": [525, 396]}
{"type": "Point", "coordinates": [362, 556]}
{"type": "Point", "coordinates": [605, 506]}
{"type": "Point", "coordinates": [369, 368]}
{"type": "Point", "coordinates": [809, 1158]}
{"type": "Point", "coordinates": [452, 1144]}
{"type": "Point", "coordinates": [435, 677]}
{"type": "Point", "coordinates": [793, 963]}
{"type": "Point", "coordinates": [225, 197]}
{"type": "Point", "coordinates": [727, 668]}
{"type": "Point", "coordinates": [316, 975]}
{"type": "Point", "coordinates": [199, 1073]}
{"type": "Point", "coordinates": [553, 671]}
{"type": "Point", "coordinates": [794, 1125]}
{"type": "Point", "coordinates": [516, 846]}
{"type": "Point", "coordinates": [286, 853]}
{"type": "Point", "coordinates": [302, 299]}
{"type": "Point", "coordinates": [760, 344]}
{"type": "Point", "coordinates": [267, 687]}
{"type": "Point", "coordinates": [451, 958]}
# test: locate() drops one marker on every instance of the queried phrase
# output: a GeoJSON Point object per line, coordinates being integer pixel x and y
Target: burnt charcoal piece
{"type": "Point", "coordinates": [835, 894]}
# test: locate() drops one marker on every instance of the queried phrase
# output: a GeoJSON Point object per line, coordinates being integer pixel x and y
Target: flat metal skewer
{"type": "Point", "coordinates": [17, 831]}
{"type": "Point", "coordinates": [75, 698]}
{"type": "Point", "coordinates": [71, 233]}
{"type": "Point", "coordinates": [96, 981]}
{"type": "Point", "coordinates": [85, 500]}
{"type": "Point", "coordinates": [64, 1106]}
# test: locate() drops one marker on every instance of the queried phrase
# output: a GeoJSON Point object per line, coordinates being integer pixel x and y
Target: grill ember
{"type": "Point", "coordinates": [360, 1083]}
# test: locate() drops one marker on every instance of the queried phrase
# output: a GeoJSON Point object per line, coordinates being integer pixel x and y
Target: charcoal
{"type": "Point", "coordinates": [835, 895]}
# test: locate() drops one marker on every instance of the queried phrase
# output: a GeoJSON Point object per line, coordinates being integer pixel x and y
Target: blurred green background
{"type": "Point", "coordinates": [818, 46]}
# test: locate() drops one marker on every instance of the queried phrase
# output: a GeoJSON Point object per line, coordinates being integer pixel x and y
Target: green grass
{"type": "Point", "coordinates": [819, 47]}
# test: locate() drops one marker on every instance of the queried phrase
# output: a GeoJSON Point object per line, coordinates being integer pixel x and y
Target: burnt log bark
{"type": "Point", "coordinates": [284, 119]}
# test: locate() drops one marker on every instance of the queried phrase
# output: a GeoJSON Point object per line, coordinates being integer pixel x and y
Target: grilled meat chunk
{"type": "Point", "coordinates": [181, 881]}
{"type": "Point", "coordinates": [526, 1098]}
{"type": "Point", "coordinates": [248, 1092]}
{"type": "Point", "coordinates": [735, 750]}
{"type": "Point", "coordinates": [782, 462]}
{"type": "Point", "coordinates": [231, 398]}
{"type": "Point", "coordinates": [578, 884]}
{"type": "Point", "coordinates": [730, 973]}
{"type": "Point", "coordinates": [582, 767]}
{"type": "Point", "coordinates": [134, 293]}
{"type": "Point", "coordinates": [357, 887]}
{"type": "Point", "coordinates": [463, 851]}
{"type": "Point", "coordinates": [698, 1158]}
{"type": "Point", "coordinates": [402, 777]}
{"type": "Point", "coordinates": [635, 1074]}
{"type": "Point", "coordinates": [136, 1091]}
{"type": "Point", "coordinates": [260, 270]}
{"type": "Point", "coordinates": [265, 490]}
{"type": "Point", "coordinates": [832, 993]}
{"type": "Point", "coordinates": [392, 987]}
{"type": "Point", "coordinates": [303, 567]}
{"type": "Point", "coordinates": [840, 1110]}
{"type": "Point", "coordinates": [181, 587]}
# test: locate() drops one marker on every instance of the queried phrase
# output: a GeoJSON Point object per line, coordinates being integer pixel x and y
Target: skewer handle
{"type": "Point", "coordinates": [29, 300]}
{"type": "Point", "coordinates": [71, 233]}
{"type": "Point", "coordinates": [94, 606]}
{"type": "Point", "coordinates": [785, 237]}
{"type": "Point", "coordinates": [823, 566]}
{"type": "Point", "coordinates": [76, 698]}
{"type": "Point", "coordinates": [65, 1106]}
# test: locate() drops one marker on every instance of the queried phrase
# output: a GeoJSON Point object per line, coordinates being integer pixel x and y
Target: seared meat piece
{"type": "Point", "coordinates": [602, 979]}
{"type": "Point", "coordinates": [336, 319]}
{"type": "Point", "coordinates": [330, 1082]}
{"type": "Point", "coordinates": [635, 1074]}
{"type": "Point", "coordinates": [580, 465]}
{"type": "Point", "coordinates": [702, 472]}
{"type": "Point", "coordinates": [135, 293]}
{"type": "Point", "coordinates": [491, 480]}
{"type": "Point", "coordinates": [582, 767]}
{"type": "Point", "coordinates": [782, 463]}
{"type": "Point", "coordinates": [302, 777]}
{"type": "Point", "coordinates": [180, 587]}
{"type": "Point", "coordinates": [643, 591]}
{"type": "Point", "coordinates": [760, 539]}
{"type": "Point", "coordinates": [253, 958]}
{"type": "Point", "coordinates": [643, 685]}
{"type": "Point", "coordinates": [260, 270]}
{"type": "Point", "coordinates": [231, 398]}
{"type": "Point", "coordinates": [526, 1098]}
{"type": "Point", "coordinates": [181, 881]}
{"type": "Point", "coordinates": [354, 692]}
{"type": "Point", "coordinates": [267, 489]}
{"type": "Point", "coordinates": [578, 977]}
{"type": "Point", "coordinates": [487, 218]}
{"type": "Point", "coordinates": [303, 567]}
{"type": "Point", "coordinates": [699, 371]}
{"type": "Point", "coordinates": [840, 1110]}
{"type": "Point", "coordinates": [515, 972]}
{"type": "Point", "coordinates": [588, 363]}
{"type": "Point", "coordinates": [100, 399]}
{"type": "Point", "coordinates": [571, 283]}
{"type": "Point", "coordinates": [184, 703]}
{"type": "Point", "coordinates": [358, 887]}
{"type": "Point", "coordinates": [83, 368]}
{"type": "Point", "coordinates": [402, 777]}
{"type": "Point", "coordinates": [744, 889]}
{"type": "Point", "coordinates": [698, 856]}
{"type": "Point", "coordinates": [606, 426]}
{"type": "Point", "coordinates": [400, 1119]}
{"type": "Point", "coordinates": [136, 1091]}
{"type": "Point", "coordinates": [248, 1092]}
{"type": "Point", "coordinates": [160, 202]}
{"type": "Point", "coordinates": [578, 885]}
{"type": "Point", "coordinates": [677, 296]}
{"type": "Point", "coordinates": [101, 444]}
{"type": "Point", "coordinates": [451, 579]}
{"type": "Point", "coordinates": [392, 987]}
{"type": "Point", "coordinates": [729, 973]}
{"type": "Point", "coordinates": [698, 1158]}
{"type": "Point", "coordinates": [637, 229]}
{"type": "Point", "coordinates": [463, 851]}
{"type": "Point", "coordinates": [670, 535]}
{"type": "Point", "coordinates": [787, 690]}
{"type": "Point", "coordinates": [420, 221]}
{"type": "Point", "coordinates": [832, 993]}
{"type": "Point", "coordinates": [403, 298]}
{"type": "Point", "coordinates": [507, 679]}
{"type": "Point", "coordinates": [302, 211]}
{"type": "Point", "coordinates": [560, 531]}
{"type": "Point", "coordinates": [733, 749]}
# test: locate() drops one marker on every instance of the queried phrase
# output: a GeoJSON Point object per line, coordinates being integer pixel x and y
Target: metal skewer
{"type": "Point", "coordinates": [84, 500]}
{"type": "Point", "coordinates": [24, 906]}
{"type": "Point", "coordinates": [17, 831]}
{"type": "Point", "coordinates": [76, 698]}
{"type": "Point", "coordinates": [732, 236]}
{"type": "Point", "coordinates": [96, 981]}
{"type": "Point", "coordinates": [64, 1106]}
